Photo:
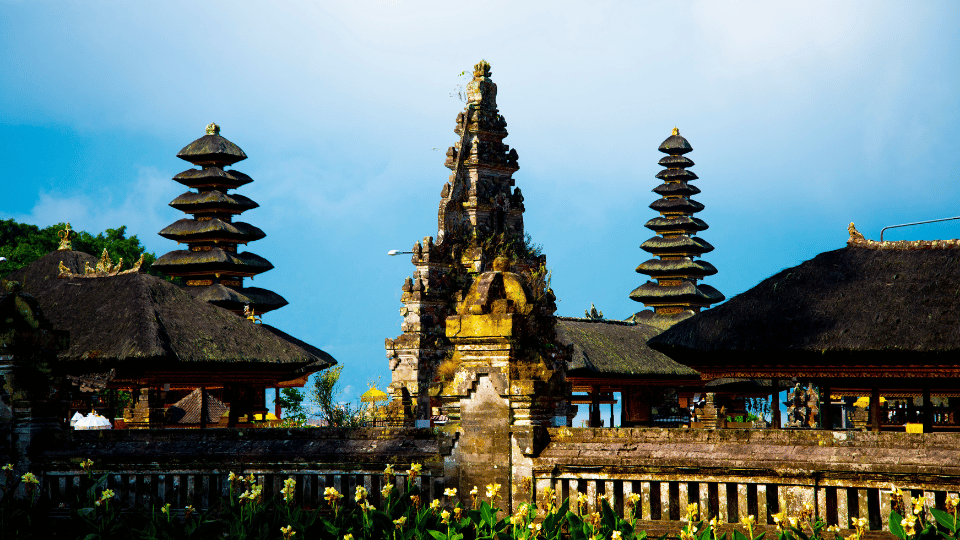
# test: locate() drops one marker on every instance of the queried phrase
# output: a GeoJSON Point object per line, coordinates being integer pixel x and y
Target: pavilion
{"type": "Point", "coordinates": [873, 318]}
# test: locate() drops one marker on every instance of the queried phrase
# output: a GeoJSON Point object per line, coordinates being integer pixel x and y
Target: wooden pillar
{"type": "Point", "coordinates": [611, 412]}
{"type": "Point", "coordinates": [826, 413]}
{"type": "Point", "coordinates": [276, 402]}
{"type": "Point", "coordinates": [776, 403]}
{"type": "Point", "coordinates": [231, 392]}
{"type": "Point", "coordinates": [595, 419]}
{"type": "Point", "coordinates": [875, 409]}
{"type": "Point", "coordinates": [927, 411]}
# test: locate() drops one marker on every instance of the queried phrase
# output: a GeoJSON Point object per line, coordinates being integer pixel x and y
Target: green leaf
{"type": "Point", "coordinates": [944, 519]}
{"type": "Point", "coordinates": [895, 526]}
{"type": "Point", "coordinates": [438, 535]}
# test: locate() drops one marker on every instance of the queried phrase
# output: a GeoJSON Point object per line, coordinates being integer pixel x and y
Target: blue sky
{"type": "Point", "coordinates": [803, 117]}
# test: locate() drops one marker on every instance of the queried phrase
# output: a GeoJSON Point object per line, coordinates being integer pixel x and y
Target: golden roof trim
{"type": "Point", "coordinates": [858, 240]}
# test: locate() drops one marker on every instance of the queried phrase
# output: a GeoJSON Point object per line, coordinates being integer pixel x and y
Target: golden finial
{"type": "Point", "coordinates": [65, 236]}
{"type": "Point", "coordinates": [675, 131]}
{"type": "Point", "coordinates": [251, 314]}
{"type": "Point", "coordinates": [213, 129]}
{"type": "Point", "coordinates": [64, 271]}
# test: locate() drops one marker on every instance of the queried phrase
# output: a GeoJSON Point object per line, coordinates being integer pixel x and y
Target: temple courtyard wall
{"type": "Point", "coordinates": [730, 473]}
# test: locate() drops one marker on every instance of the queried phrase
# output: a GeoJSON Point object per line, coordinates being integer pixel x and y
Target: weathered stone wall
{"type": "Point", "coordinates": [180, 467]}
{"type": "Point", "coordinates": [734, 473]}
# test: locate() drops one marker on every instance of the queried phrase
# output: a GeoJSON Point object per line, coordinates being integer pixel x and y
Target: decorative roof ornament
{"type": "Point", "coordinates": [65, 236]}
{"type": "Point", "coordinates": [676, 295]}
{"type": "Point", "coordinates": [858, 240]}
{"type": "Point", "coordinates": [103, 268]}
{"type": "Point", "coordinates": [214, 129]}
{"type": "Point", "coordinates": [251, 315]}
{"type": "Point", "coordinates": [593, 313]}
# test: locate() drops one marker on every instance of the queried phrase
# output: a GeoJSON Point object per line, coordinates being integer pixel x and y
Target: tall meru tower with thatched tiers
{"type": "Point", "coordinates": [211, 266]}
{"type": "Point", "coordinates": [676, 295]}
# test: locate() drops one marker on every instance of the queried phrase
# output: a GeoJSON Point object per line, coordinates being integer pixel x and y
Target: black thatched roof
{"type": "Point", "coordinates": [849, 309]}
{"type": "Point", "coordinates": [213, 200]}
{"type": "Point", "coordinates": [215, 260]}
{"type": "Point", "coordinates": [603, 348]}
{"type": "Point", "coordinates": [212, 149]}
{"type": "Point", "coordinates": [193, 230]}
{"type": "Point", "coordinates": [212, 177]}
{"type": "Point", "coordinates": [234, 299]}
{"type": "Point", "coordinates": [138, 322]}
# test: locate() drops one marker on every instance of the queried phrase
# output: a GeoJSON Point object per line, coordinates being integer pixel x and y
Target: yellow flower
{"type": "Point", "coordinates": [918, 504]}
{"type": "Point", "coordinates": [29, 478]}
{"type": "Point", "coordinates": [8, 467]}
{"type": "Point", "coordinates": [748, 523]}
{"type": "Point", "coordinates": [493, 490]}
{"type": "Point", "coordinates": [615, 535]}
{"type": "Point", "coordinates": [361, 493]}
{"type": "Point", "coordinates": [474, 491]}
{"type": "Point", "coordinates": [445, 516]}
{"type": "Point", "coordinates": [400, 521]}
{"type": "Point", "coordinates": [348, 537]}
{"type": "Point", "coordinates": [106, 494]}
{"type": "Point", "coordinates": [289, 489]}
{"type": "Point", "coordinates": [414, 469]}
{"type": "Point", "coordinates": [388, 471]}
{"type": "Point", "coordinates": [450, 492]}
{"type": "Point", "coordinates": [86, 464]}
{"type": "Point", "coordinates": [288, 531]}
{"type": "Point", "coordinates": [434, 504]}
{"type": "Point", "coordinates": [332, 495]}
{"type": "Point", "coordinates": [166, 509]}
{"type": "Point", "coordinates": [633, 498]}
{"type": "Point", "coordinates": [387, 489]}
{"type": "Point", "coordinates": [457, 513]}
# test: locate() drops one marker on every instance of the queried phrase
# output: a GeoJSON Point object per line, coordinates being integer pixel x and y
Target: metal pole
{"type": "Point", "coordinates": [915, 223]}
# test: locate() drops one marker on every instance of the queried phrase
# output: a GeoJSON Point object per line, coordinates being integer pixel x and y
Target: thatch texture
{"type": "Point", "coordinates": [844, 308]}
{"type": "Point", "coordinates": [230, 298]}
{"type": "Point", "coordinates": [183, 262]}
{"type": "Point", "coordinates": [212, 177]}
{"type": "Point", "coordinates": [212, 149]}
{"type": "Point", "coordinates": [192, 230]}
{"type": "Point", "coordinates": [192, 202]}
{"type": "Point", "coordinates": [140, 322]}
{"type": "Point", "coordinates": [603, 348]}
{"type": "Point", "coordinates": [189, 409]}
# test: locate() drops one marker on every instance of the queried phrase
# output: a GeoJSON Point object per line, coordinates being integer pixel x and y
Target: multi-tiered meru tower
{"type": "Point", "coordinates": [676, 294]}
{"type": "Point", "coordinates": [212, 268]}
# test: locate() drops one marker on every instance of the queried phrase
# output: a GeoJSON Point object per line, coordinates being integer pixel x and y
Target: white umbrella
{"type": "Point", "coordinates": [87, 422]}
{"type": "Point", "coordinates": [76, 418]}
{"type": "Point", "coordinates": [101, 422]}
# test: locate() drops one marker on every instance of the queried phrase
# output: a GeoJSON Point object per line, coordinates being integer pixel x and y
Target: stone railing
{"type": "Point", "coordinates": [153, 467]}
{"type": "Point", "coordinates": [664, 497]}
{"type": "Point", "coordinates": [735, 473]}
{"type": "Point", "coordinates": [137, 489]}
